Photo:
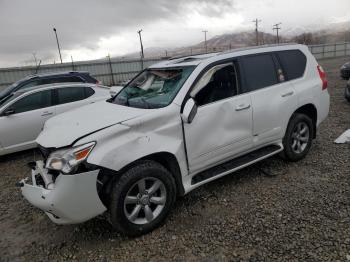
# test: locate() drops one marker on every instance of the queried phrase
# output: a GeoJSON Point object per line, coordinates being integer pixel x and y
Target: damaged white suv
{"type": "Point", "coordinates": [176, 126]}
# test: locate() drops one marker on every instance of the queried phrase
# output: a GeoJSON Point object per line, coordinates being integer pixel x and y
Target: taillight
{"type": "Point", "coordinates": [323, 77]}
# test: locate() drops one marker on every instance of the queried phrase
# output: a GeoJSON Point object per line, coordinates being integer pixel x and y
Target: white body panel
{"type": "Point", "coordinates": [218, 132]}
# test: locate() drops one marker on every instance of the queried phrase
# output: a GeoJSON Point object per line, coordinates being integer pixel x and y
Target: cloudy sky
{"type": "Point", "coordinates": [91, 29]}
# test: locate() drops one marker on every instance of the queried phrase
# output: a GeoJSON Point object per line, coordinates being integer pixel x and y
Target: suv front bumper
{"type": "Point", "coordinates": [70, 199]}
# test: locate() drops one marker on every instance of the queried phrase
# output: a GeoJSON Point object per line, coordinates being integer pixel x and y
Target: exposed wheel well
{"type": "Point", "coordinates": [169, 161]}
{"type": "Point", "coordinates": [311, 111]}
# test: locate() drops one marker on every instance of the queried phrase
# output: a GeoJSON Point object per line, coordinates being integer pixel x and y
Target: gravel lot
{"type": "Point", "coordinates": [299, 212]}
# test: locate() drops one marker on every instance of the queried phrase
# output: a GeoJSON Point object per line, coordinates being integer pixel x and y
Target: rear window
{"type": "Point", "coordinates": [89, 92]}
{"type": "Point", "coordinates": [293, 63]}
{"type": "Point", "coordinates": [259, 71]}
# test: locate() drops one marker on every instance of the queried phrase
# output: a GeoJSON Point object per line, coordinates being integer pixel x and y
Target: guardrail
{"type": "Point", "coordinates": [118, 71]}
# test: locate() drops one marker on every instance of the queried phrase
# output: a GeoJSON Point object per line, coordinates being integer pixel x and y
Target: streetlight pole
{"type": "Point", "coordinates": [142, 54]}
{"type": "Point", "coordinates": [205, 40]}
{"type": "Point", "coordinates": [58, 44]}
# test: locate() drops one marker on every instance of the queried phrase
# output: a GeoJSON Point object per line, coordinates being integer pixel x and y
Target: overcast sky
{"type": "Point", "coordinates": [90, 29]}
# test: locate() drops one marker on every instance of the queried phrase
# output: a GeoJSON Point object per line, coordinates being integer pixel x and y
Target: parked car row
{"type": "Point", "coordinates": [24, 112]}
{"type": "Point", "coordinates": [345, 74]}
{"type": "Point", "coordinates": [177, 125]}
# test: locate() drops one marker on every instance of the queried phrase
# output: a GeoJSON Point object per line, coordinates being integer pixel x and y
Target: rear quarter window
{"type": "Point", "coordinates": [89, 92]}
{"type": "Point", "coordinates": [293, 63]}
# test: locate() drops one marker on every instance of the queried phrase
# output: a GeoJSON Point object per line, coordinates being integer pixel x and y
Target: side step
{"type": "Point", "coordinates": [236, 163]}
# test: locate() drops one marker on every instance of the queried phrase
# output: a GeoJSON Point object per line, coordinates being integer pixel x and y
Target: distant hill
{"type": "Point", "coordinates": [331, 33]}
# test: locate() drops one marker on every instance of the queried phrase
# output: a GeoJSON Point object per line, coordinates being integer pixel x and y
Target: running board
{"type": "Point", "coordinates": [236, 163]}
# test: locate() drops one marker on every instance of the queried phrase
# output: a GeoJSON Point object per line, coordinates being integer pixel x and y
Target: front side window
{"type": "Point", "coordinates": [70, 94]}
{"type": "Point", "coordinates": [33, 102]}
{"type": "Point", "coordinates": [153, 88]}
{"type": "Point", "coordinates": [219, 82]}
{"type": "Point", "coordinates": [259, 71]}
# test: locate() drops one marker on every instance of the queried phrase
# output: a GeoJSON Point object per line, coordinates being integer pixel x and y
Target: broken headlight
{"type": "Point", "coordinates": [66, 160]}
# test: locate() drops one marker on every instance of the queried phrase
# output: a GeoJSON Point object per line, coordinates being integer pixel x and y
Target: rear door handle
{"type": "Point", "coordinates": [287, 94]}
{"type": "Point", "coordinates": [47, 114]}
{"type": "Point", "coordinates": [242, 107]}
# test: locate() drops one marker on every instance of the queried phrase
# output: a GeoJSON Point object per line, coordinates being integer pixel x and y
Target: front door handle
{"type": "Point", "coordinates": [287, 94]}
{"type": "Point", "coordinates": [242, 107]}
{"type": "Point", "coordinates": [47, 114]}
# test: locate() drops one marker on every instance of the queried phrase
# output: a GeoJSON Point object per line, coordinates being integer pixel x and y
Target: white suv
{"type": "Point", "coordinates": [176, 126]}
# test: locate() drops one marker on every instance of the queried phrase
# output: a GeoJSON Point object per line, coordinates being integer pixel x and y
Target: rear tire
{"type": "Point", "coordinates": [298, 138]}
{"type": "Point", "coordinates": [142, 198]}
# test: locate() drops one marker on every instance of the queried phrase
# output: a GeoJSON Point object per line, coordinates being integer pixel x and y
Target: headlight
{"type": "Point", "coordinates": [66, 160]}
{"type": "Point", "coordinates": [343, 67]}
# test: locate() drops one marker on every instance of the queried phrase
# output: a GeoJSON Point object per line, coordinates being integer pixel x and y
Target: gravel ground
{"type": "Point", "coordinates": [298, 212]}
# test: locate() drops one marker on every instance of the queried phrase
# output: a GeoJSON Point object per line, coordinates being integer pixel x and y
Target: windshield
{"type": "Point", "coordinates": [153, 88]}
{"type": "Point", "coordinates": [8, 98]}
{"type": "Point", "coordinates": [8, 90]}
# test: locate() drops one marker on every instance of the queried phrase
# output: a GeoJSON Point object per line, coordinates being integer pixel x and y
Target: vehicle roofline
{"type": "Point", "coordinates": [210, 57]}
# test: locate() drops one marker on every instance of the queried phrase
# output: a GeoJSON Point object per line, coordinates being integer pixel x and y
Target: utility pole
{"type": "Point", "coordinates": [142, 54]}
{"type": "Point", "coordinates": [35, 60]}
{"type": "Point", "coordinates": [205, 40]}
{"type": "Point", "coordinates": [58, 44]}
{"type": "Point", "coordinates": [71, 57]}
{"type": "Point", "coordinates": [256, 22]}
{"type": "Point", "coordinates": [277, 28]}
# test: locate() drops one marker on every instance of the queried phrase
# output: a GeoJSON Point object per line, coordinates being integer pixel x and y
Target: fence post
{"type": "Point", "coordinates": [111, 69]}
{"type": "Point", "coordinates": [323, 51]}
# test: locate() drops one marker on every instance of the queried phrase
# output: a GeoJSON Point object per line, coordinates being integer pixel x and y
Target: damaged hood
{"type": "Point", "coordinates": [62, 130]}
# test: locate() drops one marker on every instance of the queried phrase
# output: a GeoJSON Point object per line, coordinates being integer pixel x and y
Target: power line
{"type": "Point", "coordinates": [205, 40]}
{"type": "Point", "coordinates": [277, 28]}
{"type": "Point", "coordinates": [257, 21]}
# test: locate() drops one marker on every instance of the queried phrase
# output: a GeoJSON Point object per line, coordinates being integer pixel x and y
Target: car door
{"type": "Point", "coordinates": [68, 98]}
{"type": "Point", "coordinates": [273, 98]}
{"type": "Point", "coordinates": [21, 127]}
{"type": "Point", "coordinates": [222, 127]}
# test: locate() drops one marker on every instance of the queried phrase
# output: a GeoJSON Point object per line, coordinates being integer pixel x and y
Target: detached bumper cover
{"type": "Point", "coordinates": [70, 199]}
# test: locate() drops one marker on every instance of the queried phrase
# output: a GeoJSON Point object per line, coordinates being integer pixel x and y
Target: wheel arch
{"type": "Point", "coordinates": [310, 111]}
{"type": "Point", "coordinates": [166, 159]}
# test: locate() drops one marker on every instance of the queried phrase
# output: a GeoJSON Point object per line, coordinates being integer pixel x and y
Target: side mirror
{"type": "Point", "coordinates": [115, 90]}
{"type": "Point", "coordinates": [190, 111]}
{"type": "Point", "coordinates": [9, 111]}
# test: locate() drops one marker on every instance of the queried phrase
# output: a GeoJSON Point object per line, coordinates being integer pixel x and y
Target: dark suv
{"type": "Point", "coordinates": [48, 78]}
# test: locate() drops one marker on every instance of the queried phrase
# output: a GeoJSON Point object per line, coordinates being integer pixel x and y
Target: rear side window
{"type": "Point", "coordinates": [259, 71]}
{"type": "Point", "coordinates": [33, 102]}
{"type": "Point", "coordinates": [89, 92]}
{"type": "Point", "coordinates": [70, 94]}
{"type": "Point", "coordinates": [293, 63]}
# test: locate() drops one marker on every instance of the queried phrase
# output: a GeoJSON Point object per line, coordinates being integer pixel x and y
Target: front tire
{"type": "Point", "coordinates": [142, 198]}
{"type": "Point", "coordinates": [298, 138]}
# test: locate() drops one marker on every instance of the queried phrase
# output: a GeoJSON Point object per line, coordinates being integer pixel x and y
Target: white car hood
{"type": "Point", "coordinates": [62, 130]}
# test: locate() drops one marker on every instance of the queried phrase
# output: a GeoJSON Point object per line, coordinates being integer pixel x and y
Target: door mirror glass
{"type": "Point", "coordinates": [190, 111]}
{"type": "Point", "coordinates": [9, 111]}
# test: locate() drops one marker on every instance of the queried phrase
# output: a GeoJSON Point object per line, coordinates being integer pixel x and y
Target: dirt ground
{"type": "Point", "coordinates": [300, 212]}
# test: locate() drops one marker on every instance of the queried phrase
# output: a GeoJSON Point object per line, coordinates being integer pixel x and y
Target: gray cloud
{"type": "Point", "coordinates": [26, 26]}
